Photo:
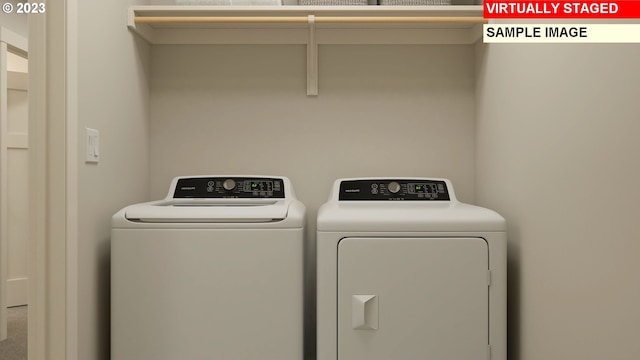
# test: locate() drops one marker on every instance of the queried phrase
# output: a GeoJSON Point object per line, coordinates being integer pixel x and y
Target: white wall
{"type": "Point", "coordinates": [14, 21]}
{"type": "Point", "coordinates": [382, 110]}
{"type": "Point", "coordinates": [113, 98]}
{"type": "Point", "coordinates": [557, 155]}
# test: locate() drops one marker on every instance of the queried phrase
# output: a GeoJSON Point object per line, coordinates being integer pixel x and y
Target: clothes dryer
{"type": "Point", "coordinates": [213, 271]}
{"type": "Point", "coordinates": [406, 271]}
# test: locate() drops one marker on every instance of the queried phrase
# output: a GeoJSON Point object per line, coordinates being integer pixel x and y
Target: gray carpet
{"type": "Point", "coordinates": [15, 346]}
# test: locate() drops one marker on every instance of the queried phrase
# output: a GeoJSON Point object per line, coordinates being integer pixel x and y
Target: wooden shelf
{"type": "Point", "coordinates": [290, 24]}
{"type": "Point", "coordinates": [307, 25]}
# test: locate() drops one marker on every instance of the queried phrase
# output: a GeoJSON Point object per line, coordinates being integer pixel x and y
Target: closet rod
{"type": "Point", "coordinates": [305, 19]}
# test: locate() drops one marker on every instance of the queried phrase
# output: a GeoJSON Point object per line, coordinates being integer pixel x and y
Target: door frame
{"type": "Point", "coordinates": [52, 328]}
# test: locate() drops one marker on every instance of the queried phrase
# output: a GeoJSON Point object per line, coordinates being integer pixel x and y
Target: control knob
{"type": "Point", "coordinates": [393, 187]}
{"type": "Point", "coordinates": [229, 184]}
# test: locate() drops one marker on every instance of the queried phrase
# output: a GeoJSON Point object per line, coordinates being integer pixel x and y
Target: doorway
{"type": "Point", "coordinates": [14, 196]}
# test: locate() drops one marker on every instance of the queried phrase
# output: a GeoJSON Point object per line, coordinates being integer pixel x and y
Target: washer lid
{"type": "Point", "coordinates": [208, 211]}
{"type": "Point", "coordinates": [219, 200]}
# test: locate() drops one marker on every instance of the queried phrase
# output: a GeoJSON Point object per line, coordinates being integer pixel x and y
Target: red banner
{"type": "Point", "coordinates": [502, 9]}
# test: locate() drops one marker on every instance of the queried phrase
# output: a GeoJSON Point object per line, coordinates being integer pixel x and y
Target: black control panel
{"type": "Point", "coordinates": [229, 187]}
{"type": "Point", "coordinates": [393, 189]}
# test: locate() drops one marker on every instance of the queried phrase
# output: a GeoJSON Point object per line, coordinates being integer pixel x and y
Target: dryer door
{"type": "Point", "coordinates": [413, 298]}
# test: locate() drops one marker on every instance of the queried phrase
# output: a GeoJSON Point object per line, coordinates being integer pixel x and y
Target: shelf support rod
{"type": "Point", "coordinates": [312, 58]}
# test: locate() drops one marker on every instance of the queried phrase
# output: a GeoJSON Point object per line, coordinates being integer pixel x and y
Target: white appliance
{"type": "Point", "coordinates": [213, 271]}
{"type": "Point", "coordinates": [405, 271]}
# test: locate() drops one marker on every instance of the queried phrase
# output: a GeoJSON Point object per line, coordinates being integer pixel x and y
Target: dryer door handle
{"type": "Point", "coordinates": [364, 312]}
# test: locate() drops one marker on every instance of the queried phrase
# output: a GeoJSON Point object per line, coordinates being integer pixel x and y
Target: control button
{"type": "Point", "coordinates": [211, 183]}
{"type": "Point", "coordinates": [393, 187]}
{"type": "Point", "coordinates": [229, 184]}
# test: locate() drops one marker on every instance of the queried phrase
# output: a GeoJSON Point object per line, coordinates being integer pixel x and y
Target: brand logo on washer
{"type": "Point", "coordinates": [352, 190]}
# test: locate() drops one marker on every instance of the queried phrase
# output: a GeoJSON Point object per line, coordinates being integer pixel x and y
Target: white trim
{"type": "Point", "coordinates": [71, 84]}
{"type": "Point", "coordinates": [49, 325]}
{"type": "Point", "coordinates": [4, 245]}
{"type": "Point", "coordinates": [55, 200]}
{"type": "Point", "coordinates": [36, 349]}
{"type": "Point", "coordinates": [17, 81]}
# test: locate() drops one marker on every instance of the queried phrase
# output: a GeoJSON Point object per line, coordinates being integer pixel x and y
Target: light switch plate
{"type": "Point", "coordinates": [92, 146]}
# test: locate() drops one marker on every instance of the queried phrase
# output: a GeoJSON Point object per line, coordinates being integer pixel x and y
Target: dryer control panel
{"type": "Point", "coordinates": [394, 189]}
{"type": "Point", "coordinates": [229, 187]}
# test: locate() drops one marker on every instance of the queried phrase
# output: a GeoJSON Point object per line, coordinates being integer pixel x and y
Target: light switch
{"type": "Point", "coordinates": [93, 145]}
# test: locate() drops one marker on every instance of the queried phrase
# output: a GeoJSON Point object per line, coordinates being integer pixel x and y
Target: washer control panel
{"type": "Point", "coordinates": [394, 189]}
{"type": "Point", "coordinates": [229, 187]}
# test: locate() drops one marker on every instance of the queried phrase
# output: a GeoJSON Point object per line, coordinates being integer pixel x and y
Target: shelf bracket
{"type": "Point", "coordinates": [312, 58]}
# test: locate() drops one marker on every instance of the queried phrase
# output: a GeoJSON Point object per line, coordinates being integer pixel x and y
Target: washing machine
{"type": "Point", "coordinates": [406, 271]}
{"type": "Point", "coordinates": [213, 271]}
